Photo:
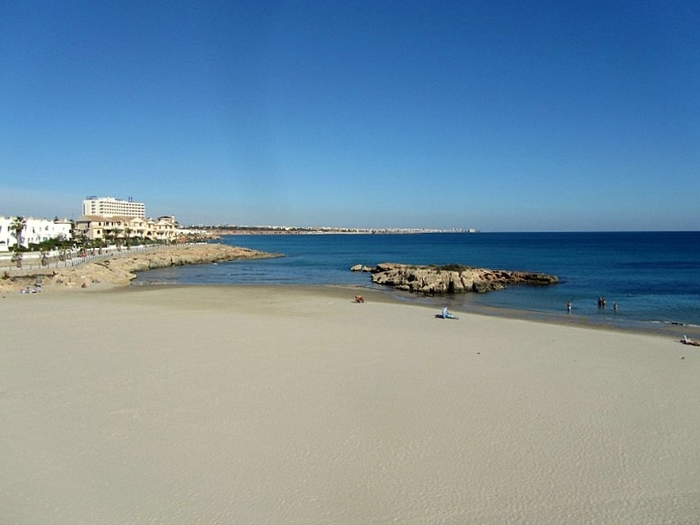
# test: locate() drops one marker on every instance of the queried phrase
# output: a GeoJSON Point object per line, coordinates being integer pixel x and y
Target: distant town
{"type": "Point", "coordinates": [107, 221]}
{"type": "Point", "coordinates": [290, 230]}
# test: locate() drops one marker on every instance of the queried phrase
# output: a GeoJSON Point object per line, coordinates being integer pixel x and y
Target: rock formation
{"type": "Point", "coordinates": [361, 268]}
{"type": "Point", "coordinates": [451, 278]}
{"type": "Point", "coordinates": [122, 269]}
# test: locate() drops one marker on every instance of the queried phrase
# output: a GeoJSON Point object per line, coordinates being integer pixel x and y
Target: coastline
{"type": "Point", "coordinates": [639, 273]}
{"type": "Point", "coordinates": [121, 268]}
{"type": "Point", "coordinates": [673, 330]}
{"type": "Point", "coordinates": [285, 404]}
{"type": "Point", "coordinates": [620, 324]}
{"type": "Point", "coordinates": [385, 295]}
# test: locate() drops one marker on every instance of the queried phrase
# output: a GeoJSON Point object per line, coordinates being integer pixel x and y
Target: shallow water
{"type": "Point", "coordinates": [653, 276]}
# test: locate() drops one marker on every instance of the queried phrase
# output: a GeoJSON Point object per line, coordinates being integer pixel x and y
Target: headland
{"type": "Point", "coordinates": [121, 268]}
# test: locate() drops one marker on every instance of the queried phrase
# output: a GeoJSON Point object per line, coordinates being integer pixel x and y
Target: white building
{"type": "Point", "coordinates": [111, 207]}
{"type": "Point", "coordinates": [34, 231]}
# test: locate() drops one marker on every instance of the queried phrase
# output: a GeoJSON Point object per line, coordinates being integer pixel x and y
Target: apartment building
{"type": "Point", "coordinates": [115, 229]}
{"type": "Point", "coordinates": [111, 207]}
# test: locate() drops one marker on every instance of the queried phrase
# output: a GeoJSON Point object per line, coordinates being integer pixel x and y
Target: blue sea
{"type": "Point", "coordinates": [654, 277]}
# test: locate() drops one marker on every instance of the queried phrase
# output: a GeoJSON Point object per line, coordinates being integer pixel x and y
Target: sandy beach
{"type": "Point", "coordinates": [295, 405]}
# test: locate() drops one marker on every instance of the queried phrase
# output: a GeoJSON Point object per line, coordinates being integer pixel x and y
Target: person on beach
{"type": "Point", "coordinates": [445, 314]}
{"type": "Point", "coordinates": [568, 307]}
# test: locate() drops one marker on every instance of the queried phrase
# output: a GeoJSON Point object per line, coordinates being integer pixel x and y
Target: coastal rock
{"type": "Point", "coordinates": [453, 278]}
{"type": "Point", "coordinates": [361, 268]}
{"type": "Point", "coordinates": [122, 269]}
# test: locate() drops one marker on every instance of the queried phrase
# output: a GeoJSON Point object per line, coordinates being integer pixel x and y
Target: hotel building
{"type": "Point", "coordinates": [111, 207]}
{"type": "Point", "coordinates": [112, 220]}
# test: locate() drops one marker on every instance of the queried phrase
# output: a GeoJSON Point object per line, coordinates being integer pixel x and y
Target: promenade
{"type": "Point", "coordinates": [56, 259]}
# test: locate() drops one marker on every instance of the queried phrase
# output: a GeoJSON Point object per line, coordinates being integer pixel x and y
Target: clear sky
{"type": "Point", "coordinates": [499, 115]}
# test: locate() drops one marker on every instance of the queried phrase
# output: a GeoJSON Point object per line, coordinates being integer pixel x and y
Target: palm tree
{"type": "Point", "coordinates": [17, 226]}
{"type": "Point", "coordinates": [127, 234]}
{"type": "Point", "coordinates": [117, 232]}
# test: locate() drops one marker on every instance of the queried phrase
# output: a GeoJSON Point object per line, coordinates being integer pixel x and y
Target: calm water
{"type": "Point", "coordinates": [654, 277]}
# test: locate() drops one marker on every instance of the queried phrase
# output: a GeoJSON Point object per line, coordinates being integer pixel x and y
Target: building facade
{"type": "Point", "coordinates": [121, 230]}
{"type": "Point", "coordinates": [111, 207]}
{"type": "Point", "coordinates": [34, 231]}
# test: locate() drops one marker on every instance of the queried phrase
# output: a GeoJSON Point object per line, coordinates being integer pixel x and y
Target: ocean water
{"type": "Point", "coordinates": [653, 276]}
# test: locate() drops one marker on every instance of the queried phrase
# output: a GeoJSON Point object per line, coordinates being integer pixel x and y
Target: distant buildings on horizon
{"type": "Point", "coordinates": [282, 230]}
{"type": "Point", "coordinates": [107, 219]}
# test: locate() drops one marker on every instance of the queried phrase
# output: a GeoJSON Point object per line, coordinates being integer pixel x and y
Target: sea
{"type": "Point", "coordinates": [654, 277]}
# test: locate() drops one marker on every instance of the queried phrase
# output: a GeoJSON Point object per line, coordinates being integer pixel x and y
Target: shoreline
{"type": "Point", "coordinates": [280, 404]}
{"type": "Point", "coordinates": [390, 296]}
{"type": "Point", "coordinates": [122, 268]}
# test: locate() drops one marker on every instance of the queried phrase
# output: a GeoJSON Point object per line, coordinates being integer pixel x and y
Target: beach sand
{"type": "Point", "coordinates": [281, 405]}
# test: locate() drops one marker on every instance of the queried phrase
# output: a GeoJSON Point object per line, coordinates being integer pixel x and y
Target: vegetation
{"type": "Point", "coordinates": [17, 226]}
{"type": "Point", "coordinates": [63, 248]}
{"type": "Point", "coordinates": [58, 243]}
{"type": "Point", "coordinates": [452, 268]}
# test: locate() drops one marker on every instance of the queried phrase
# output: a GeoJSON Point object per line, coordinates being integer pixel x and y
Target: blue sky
{"type": "Point", "coordinates": [502, 116]}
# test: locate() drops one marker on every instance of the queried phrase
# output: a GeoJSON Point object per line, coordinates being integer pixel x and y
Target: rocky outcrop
{"type": "Point", "coordinates": [361, 268]}
{"type": "Point", "coordinates": [452, 278]}
{"type": "Point", "coordinates": [122, 269]}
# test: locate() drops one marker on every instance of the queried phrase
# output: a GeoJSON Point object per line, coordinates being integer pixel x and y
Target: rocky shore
{"type": "Point", "coordinates": [122, 269]}
{"type": "Point", "coordinates": [450, 278]}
